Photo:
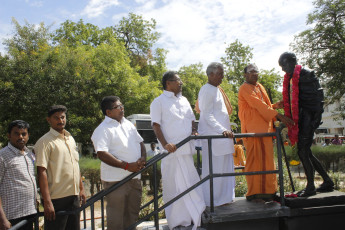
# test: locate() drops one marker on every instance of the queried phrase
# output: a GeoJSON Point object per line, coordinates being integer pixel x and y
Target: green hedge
{"type": "Point", "coordinates": [90, 169]}
{"type": "Point", "coordinates": [327, 155]}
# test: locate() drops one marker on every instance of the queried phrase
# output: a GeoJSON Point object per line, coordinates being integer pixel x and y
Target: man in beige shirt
{"type": "Point", "coordinates": [58, 173]}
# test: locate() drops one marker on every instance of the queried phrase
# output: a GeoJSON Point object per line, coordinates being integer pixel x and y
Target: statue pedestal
{"type": "Point", "coordinates": [320, 212]}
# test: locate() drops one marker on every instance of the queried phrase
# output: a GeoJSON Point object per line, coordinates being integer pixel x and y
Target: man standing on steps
{"type": "Point", "coordinates": [215, 109]}
{"type": "Point", "coordinates": [122, 151]}
{"type": "Point", "coordinates": [257, 115]}
{"type": "Point", "coordinates": [58, 173]}
{"type": "Point", "coordinates": [173, 121]}
{"type": "Point", "coordinates": [18, 191]}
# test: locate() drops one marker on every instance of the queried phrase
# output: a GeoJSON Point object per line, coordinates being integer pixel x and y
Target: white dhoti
{"type": "Point", "coordinates": [223, 187]}
{"type": "Point", "coordinates": [178, 174]}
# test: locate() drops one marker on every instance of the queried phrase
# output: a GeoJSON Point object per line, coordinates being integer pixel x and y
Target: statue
{"type": "Point", "coordinates": [303, 103]}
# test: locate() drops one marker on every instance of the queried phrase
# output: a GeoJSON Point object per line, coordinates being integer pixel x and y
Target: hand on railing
{"type": "Point", "coordinates": [82, 197]}
{"type": "Point", "coordinates": [137, 166]}
{"type": "Point", "coordinates": [170, 147]}
{"type": "Point", "coordinates": [228, 133]}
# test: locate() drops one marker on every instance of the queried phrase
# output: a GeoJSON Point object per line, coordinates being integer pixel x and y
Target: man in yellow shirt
{"type": "Point", "coordinates": [58, 173]}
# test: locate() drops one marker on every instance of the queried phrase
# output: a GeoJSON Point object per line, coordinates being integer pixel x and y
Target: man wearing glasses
{"type": "Point", "coordinates": [257, 114]}
{"type": "Point", "coordinates": [121, 150]}
{"type": "Point", "coordinates": [172, 121]}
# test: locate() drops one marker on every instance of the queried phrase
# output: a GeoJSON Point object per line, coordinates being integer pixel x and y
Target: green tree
{"type": "Point", "coordinates": [193, 77]}
{"type": "Point", "coordinates": [237, 56]}
{"type": "Point", "coordinates": [79, 33]}
{"type": "Point", "coordinates": [137, 34]}
{"type": "Point", "coordinates": [322, 47]}
{"type": "Point", "coordinates": [271, 80]}
{"type": "Point", "coordinates": [79, 76]}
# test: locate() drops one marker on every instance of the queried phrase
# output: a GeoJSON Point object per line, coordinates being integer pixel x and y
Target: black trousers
{"type": "Point", "coordinates": [64, 222]}
{"type": "Point", "coordinates": [308, 123]}
{"type": "Point", "coordinates": [28, 226]}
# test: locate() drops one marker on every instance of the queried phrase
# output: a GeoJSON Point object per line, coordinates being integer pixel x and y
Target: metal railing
{"type": "Point", "coordinates": [153, 163]}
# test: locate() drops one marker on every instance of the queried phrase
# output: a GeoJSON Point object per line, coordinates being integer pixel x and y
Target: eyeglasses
{"type": "Point", "coordinates": [118, 107]}
{"type": "Point", "coordinates": [179, 80]}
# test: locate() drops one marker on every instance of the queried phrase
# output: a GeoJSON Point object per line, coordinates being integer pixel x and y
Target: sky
{"type": "Point", "coordinates": [192, 31]}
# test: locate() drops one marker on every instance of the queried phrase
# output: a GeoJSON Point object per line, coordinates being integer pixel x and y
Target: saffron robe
{"type": "Point", "coordinates": [256, 115]}
{"type": "Point", "coordinates": [238, 155]}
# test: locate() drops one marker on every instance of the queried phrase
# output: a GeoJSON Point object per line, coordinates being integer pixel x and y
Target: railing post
{"type": "Point", "coordinates": [287, 165]}
{"type": "Point", "coordinates": [209, 140]}
{"type": "Point", "coordinates": [37, 226]}
{"type": "Point", "coordinates": [280, 165]}
{"type": "Point", "coordinates": [92, 207]}
{"type": "Point", "coordinates": [155, 195]}
{"type": "Point", "coordinates": [198, 160]}
{"type": "Point", "coordinates": [84, 221]}
{"type": "Point", "coordinates": [102, 212]}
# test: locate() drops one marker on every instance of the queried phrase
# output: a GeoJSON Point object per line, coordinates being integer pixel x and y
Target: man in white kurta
{"type": "Point", "coordinates": [172, 119]}
{"type": "Point", "coordinates": [214, 120]}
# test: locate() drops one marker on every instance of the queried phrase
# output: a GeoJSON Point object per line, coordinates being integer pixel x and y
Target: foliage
{"type": "Point", "coordinates": [241, 186]}
{"type": "Point", "coordinates": [137, 34]}
{"type": "Point", "coordinates": [327, 155]}
{"type": "Point", "coordinates": [90, 169]}
{"type": "Point", "coordinates": [37, 74]}
{"type": "Point", "coordinates": [271, 80]}
{"type": "Point", "coordinates": [147, 198]}
{"type": "Point", "coordinates": [238, 56]}
{"type": "Point", "coordinates": [193, 77]}
{"type": "Point", "coordinates": [337, 178]}
{"type": "Point", "coordinates": [322, 47]}
{"type": "Point", "coordinates": [74, 34]}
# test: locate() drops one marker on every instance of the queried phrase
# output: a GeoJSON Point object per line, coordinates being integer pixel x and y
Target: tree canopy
{"type": "Point", "coordinates": [322, 47]}
{"type": "Point", "coordinates": [79, 63]}
{"type": "Point", "coordinates": [37, 74]}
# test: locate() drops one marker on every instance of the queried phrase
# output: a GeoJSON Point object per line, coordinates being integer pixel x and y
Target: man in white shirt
{"type": "Point", "coordinates": [172, 121]}
{"type": "Point", "coordinates": [214, 120]}
{"type": "Point", "coordinates": [121, 150]}
{"type": "Point", "coordinates": [153, 151]}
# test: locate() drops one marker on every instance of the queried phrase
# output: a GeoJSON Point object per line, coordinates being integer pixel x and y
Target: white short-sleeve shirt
{"type": "Point", "coordinates": [119, 139]}
{"type": "Point", "coordinates": [175, 115]}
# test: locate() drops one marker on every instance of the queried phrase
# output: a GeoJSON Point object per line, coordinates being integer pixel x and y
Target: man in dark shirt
{"type": "Point", "coordinates": [303, 102]}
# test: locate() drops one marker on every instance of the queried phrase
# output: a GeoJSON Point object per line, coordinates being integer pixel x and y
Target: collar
{"type": "Point", "coordinates": [256, 85]}
{"type": "Point", "coordinates": [110, 120]}
{"type": "Point", "coordinates": [57, 134]}
{"type": "Point", "coordinates": [17, 151]}
{"type": "Point", "coordinates": [171, 94]}
{"type": "Point", "coordinates": [212, 85]}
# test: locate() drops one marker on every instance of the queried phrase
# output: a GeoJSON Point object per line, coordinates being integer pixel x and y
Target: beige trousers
{"type": "Point", "coordinates": [123, 204]}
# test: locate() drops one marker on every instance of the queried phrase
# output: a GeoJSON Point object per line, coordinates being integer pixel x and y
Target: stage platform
{"type": "Point", "coordinates": [320, 212]}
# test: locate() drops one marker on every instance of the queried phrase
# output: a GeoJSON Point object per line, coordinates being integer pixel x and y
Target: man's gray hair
{"type": "Point", "coordinates": [213, 67]}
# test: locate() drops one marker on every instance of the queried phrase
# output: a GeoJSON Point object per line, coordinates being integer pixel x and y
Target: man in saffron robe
{"type": "Point", "coordinates": [257, 114]}
{"type": "Point", "coordinates": [303, 102]}
{"type": "Point", "coordinates": [215, 109]}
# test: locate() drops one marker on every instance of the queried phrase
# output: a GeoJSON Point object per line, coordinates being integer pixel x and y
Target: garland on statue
{"type": "Point", "coordinates": [293, 130]}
